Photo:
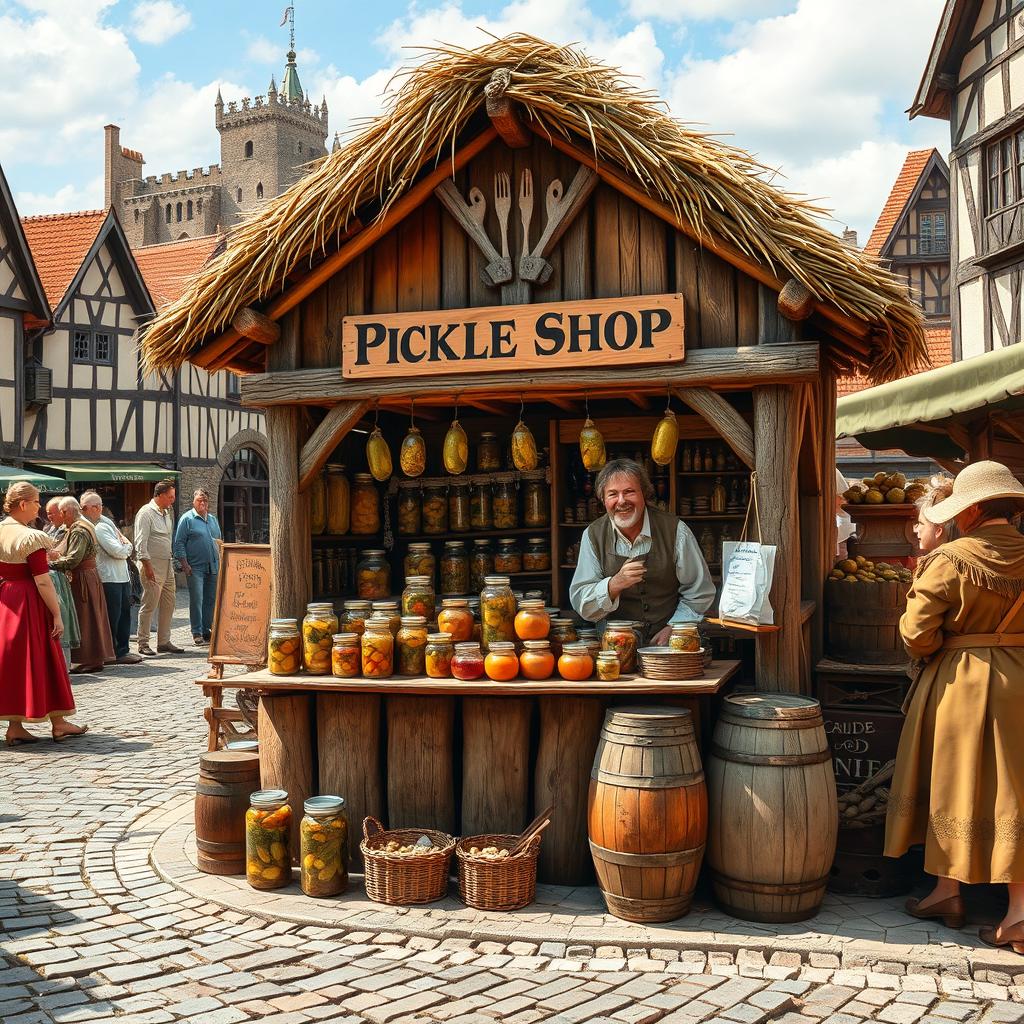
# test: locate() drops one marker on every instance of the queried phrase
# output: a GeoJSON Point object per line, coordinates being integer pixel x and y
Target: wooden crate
{"type": "Point", "coordinates": [862, 621]}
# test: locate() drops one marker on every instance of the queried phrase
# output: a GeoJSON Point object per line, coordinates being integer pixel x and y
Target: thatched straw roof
{"type": "Point", "coordinates": [717, 189]}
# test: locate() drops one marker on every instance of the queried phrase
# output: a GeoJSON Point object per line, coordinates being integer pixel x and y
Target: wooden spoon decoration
{"type": "Point", "coordinates": [535, 828]}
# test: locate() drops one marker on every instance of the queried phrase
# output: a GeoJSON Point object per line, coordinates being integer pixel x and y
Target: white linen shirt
{"type": "Point", "coordinates": [154, 532]}
{"type": "Point", "coordinates": [111, 553]}
{"type": "Point", "coordinates": [588, 591]}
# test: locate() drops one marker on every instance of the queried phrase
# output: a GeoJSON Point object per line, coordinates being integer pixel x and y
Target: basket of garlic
{"type": "Point", "coordinates": [493, 878]}
{"type": "Point", "coordinates": [405, 865]}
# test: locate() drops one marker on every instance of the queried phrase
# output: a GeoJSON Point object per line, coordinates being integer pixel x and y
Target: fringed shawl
{"type": "Point", "coordinates": [992, 557]}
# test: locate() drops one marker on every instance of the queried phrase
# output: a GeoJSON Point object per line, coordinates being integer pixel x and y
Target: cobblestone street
{"type": "Point", "coordinates": [103, 919]}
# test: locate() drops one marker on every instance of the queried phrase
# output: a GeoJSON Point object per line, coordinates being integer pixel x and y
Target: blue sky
{"type": "Point", "coordinates": [817, 88]}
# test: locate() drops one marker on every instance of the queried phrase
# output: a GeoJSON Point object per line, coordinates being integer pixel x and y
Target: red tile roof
{"type": "Point", "coordinates": [906, 181]}
{"type": "Point", "coordinates": [940, 352]}
{"type": "Point", "coordinates": [166, 268]}
{"type": "Point", "coordinates": [59, 243]}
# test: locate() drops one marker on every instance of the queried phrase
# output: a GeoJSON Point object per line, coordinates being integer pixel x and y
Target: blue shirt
{"type": "Point", "coordinates": [194, 541]}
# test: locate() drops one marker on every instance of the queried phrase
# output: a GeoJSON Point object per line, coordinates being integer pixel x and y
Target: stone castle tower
{"type": "Point", "coordinates": [265, 144]}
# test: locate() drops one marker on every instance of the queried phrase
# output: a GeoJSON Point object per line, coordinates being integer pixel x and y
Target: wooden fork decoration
{"type": "Point", "coordinates": [561, 211]}
{"type": "Point", "coordinates": [470, 217]}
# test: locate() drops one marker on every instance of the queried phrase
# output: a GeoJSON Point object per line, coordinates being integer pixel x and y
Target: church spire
{"type": "Point", "coordinates": [291, 87]}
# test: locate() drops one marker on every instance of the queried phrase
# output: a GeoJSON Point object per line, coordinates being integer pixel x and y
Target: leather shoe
{"type": "Point", "coordinates": [199, 641]}
{"type": "Point", "coordinates": [169, 649]}
{"type": "Point", "coordinates": [147, 650]}
{"type": "Point", "coordinates": [950, 912]}
{"type": "Point", "coordinates": [128, 659]}
{"type": "Point", "coordinates": [1012, 937]}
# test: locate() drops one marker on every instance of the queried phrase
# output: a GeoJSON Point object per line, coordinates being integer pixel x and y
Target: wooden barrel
{"type": "Point", "coordinates": [226, 779]}
{"type": "Point", "coordinates": [863, 621]}
{"type": "Point", "coordinates": [772, 837]}
{"type": "Point", "coordinates": [647, 812]}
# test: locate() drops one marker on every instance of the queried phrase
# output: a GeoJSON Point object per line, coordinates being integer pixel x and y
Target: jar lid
{"type": "Point", "coordinates": [418, 581]}
{"type": "Point", "coordinates": [335, 467]}
{"type": "Point", "coordinates": [483, 542]}
{"type": "Point", "coordinates": [356, 604]}
{"type": "Point", "coordinates": [284, 622]}
{"type": "Point", "coordinates": [346, 639]}
{"type": "Point", "coordinates": [414, 620]}
{"type": "Point", "coordinates": [373, 551]}
{"type": "Point", "coordinates": [620, 624]}
{"type": "Point", "coordinates": [497, 581]}
{"type": "Point", "coordinates": [488, 434]}
{"type": "Point", "coordinates": [561, 622]}
{"type": "Point", "coordinates": [268, 798]}
{"type": "Point", "coordinates": [531, 604]}
{"type": "Point", "coordinates": [582, 633]}
{"type": "Point", "coordinates": [468, 647]}
{"type": "Point", "coordinates": [536, 540]}
{"type": "Point", "coordinates": [439, 638]}
{"type": "Point", "coordinates": [533, 474]}
{"type": "Point", "coordinates": [454, 543]}
{"type": "Point", "coordinates": [575, 649]}
{"type": "Point", "coordinates": [454, 602]}
{"type": "Point", "coordinates": [321, 806]}
{"type": "Point", "coordinates": [507, 540]}
{"type": "Point", "coordinates": [605, 655]}
{"type": "Point", "coordinates": [420, 546]}
{"type": "Point", "coordinates": [384, 605]}
{"type": "Point", "coordinates": [536, 645]}
{"type": "Point", "coordinates": [684, 627]}
{"type": "Point", "coordinates": [363, 478]}
{"type": "Point", "coordinates": [501, 646]}
{"type": "Point", "coordinates": [378, 623]}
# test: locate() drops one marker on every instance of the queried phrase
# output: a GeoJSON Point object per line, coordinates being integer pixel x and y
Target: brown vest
{"type": "Point", "coordinates": [655, 599]}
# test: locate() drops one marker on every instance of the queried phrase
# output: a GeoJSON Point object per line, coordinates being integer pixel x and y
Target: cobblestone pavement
{"type": "Point", "coordinates": [91, 931]}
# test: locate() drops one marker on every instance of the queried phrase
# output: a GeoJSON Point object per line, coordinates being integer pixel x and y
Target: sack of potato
{"type": "Point", "coordinates": [863, 570]}
{"type": "Point", "coordinates": [885, 489]}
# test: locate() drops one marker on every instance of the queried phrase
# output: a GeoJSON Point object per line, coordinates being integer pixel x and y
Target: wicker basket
{"type": "Point", "coordinates": [400, 880]}
{"type": "Point", "coordinates": [508, 884]}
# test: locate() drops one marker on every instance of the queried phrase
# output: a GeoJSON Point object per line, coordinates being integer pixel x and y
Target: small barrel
{"type": "Point", "coordinates": [772, 839]}
{"type": "Point", "coordinates": [647, 813]}
{"type": "Point", "coordinates": [863, 621]}
{"type": "Point", "coordinates": [226, 779]}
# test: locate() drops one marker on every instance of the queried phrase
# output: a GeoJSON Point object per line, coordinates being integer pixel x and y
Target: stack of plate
{"type": "Point", "coordinates": [667, 664]}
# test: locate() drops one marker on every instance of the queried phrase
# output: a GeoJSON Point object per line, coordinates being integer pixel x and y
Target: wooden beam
{"type": "Point", "coordinates": [710, 367]}
{"type": "Point", "coordinates": [209, 354]}
{"type": "Point", "coordinates": [489, 407]}
{"type": "Point", "coordinates": [230, 355]}
{"type": "Point", "coordinates": [254, 325]}
{"type": "Point", "coordinates": [733, 428]}
{"type": "Point", "coordinates": [340, 419]}
{"type": "Point", "coordinates": [640, 401]}
{"type": "Point", "coordinates": [502, 112]}
{"type": "Point", "coordinates": [563, 403]}
{"type": "Point", "coordinates": [795, 301]}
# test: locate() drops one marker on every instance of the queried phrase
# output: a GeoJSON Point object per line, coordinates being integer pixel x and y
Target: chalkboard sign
{"type": "Point", "coordinates": [241, 616]}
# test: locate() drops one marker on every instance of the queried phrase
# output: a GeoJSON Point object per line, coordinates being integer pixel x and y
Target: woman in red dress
{"type": "Point", "coordinates": [34, 682]}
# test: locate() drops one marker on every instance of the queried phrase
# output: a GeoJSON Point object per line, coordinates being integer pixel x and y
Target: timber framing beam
{"type": "Point", "coordinates": [738, 368]}
{"type": "Point", "coordinates": [735, 430]}
{"type": "Point", "coordinates": [333, 427]}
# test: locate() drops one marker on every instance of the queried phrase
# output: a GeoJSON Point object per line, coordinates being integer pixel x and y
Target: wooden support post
{"type": "Point", "coordinates": [286, 752]}
{"type": "Point", "coordinates": [733, 428]}
{"type": "Point", "coordinates": [495, 764]}
{"type": "Point", "coordinates": [776, 443]}
{"type": "Point", "coordinates": [348, 741]}
{"type": "Point", "coordinates": [332, 429]}
{"type": "Point", "coordinates": [255, 326]}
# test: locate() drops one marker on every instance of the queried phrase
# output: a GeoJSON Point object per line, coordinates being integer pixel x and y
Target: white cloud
{"type": "Point", "coordinates": [88, 196]}
{"type": "Point", "coordinates": [701, 10]}
{"type": "Point", "coordinates": [156, 21]}
{"type": "Point", "coordinates": [262, 51]}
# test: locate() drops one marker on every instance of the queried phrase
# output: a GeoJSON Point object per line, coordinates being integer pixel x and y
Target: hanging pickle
{"type": "Point", "coordinates": [413, 454]}
{"type": "Point", "coordinates": [591, 446]}
{"type": "Point", "coordinates": [524, 447]}
{"type": "Point", "coordinates": [666, 437]}
{"type": "Point", "coordinates": [456, 448]}
{"type": "Point", "coordinates": [378, 454]}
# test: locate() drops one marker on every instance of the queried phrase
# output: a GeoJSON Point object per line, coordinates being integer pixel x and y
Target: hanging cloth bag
{"type": "Point", "coordinates": [747, 570]}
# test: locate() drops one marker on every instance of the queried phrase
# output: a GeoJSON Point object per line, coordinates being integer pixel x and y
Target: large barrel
{"type": "Point", "coordinates": [862, 621]}
{"type": "Point", "coordinates": [226, 779]}
{"type": "Point", "coordinates": [647, 812]}
{"type": "Point", "coordinates": [773, 835]}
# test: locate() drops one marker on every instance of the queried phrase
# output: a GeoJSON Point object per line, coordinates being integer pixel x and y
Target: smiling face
{"type": "Point", "coordinates": [624, 500]}
{"type": "Point", "coordinates": [53, 513]}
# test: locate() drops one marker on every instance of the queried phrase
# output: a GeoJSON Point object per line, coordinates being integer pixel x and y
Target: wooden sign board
{"type": "Point", "coordinates": [630, 331]}
{"type": "Point", "coordinates": [241, 616]}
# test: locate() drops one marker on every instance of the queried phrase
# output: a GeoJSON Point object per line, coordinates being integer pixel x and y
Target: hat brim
{"type": "Point", "coordinates": [948, 509]}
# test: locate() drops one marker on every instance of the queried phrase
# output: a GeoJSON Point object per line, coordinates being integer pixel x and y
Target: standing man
{"type": "Point", "coordinates": [112, 552]}
{"type": "Point", "coordinates": [195, 548]}
{"type": "Point", "coordinates": [154, 530]}
{"type": "Point", "coordinates": [55, 526]}
{"type": "Point", "coordinates": [637, 561]}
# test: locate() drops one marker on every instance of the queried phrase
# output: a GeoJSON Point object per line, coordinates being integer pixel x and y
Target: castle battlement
{"type": "Point", "coordinates": [198, 176]}
{"type": "Point", "coordinates": [273, 104]}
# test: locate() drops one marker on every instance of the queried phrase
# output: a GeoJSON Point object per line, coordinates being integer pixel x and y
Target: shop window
{"type": "Point", "coordinates": [248, 150]}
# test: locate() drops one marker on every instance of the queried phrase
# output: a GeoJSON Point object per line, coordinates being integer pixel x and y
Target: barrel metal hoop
{"type": "Point", "coordinates": [223, 789]}
{"type": "Point", "coordinates": [679, 740]}
{"type": "Point", "coordinates": [647, 781]}
{"type": "Point", "coordinates": [776, 760]}
{"type": "Point", "coordinates": [768, 888]}
{"type": "Point", "coordinates": [791, 724]}
{"type": "Point", "coordinates": [209, 846]}
{"type": "Point", "coordinates": [671, 859]}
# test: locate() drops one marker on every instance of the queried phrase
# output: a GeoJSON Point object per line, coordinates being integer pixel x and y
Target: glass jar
{"type": "Point", "coordinates": [339, 501]}
{"type": "Point", "coordinates": [508, 557]}
{"type": "Point", "coordinates": [388, 610]}
{"type": "Point", "coordinates": [537, 556]}
{"type": "Point", "coordinates": [501, 663]}
{"type": "Point", "coordinates": [268, 825]}
{"type": "Point", "coordinates": [481, 564]}
{"type": "Point", "coordinates": [353, 616]}
{"type": "Point", "coordinates": [454, 568]}
{"type": "Point", "coordinates": [459, 515]}
{"type": "Point", "coordinates": [536, 498]}
{"type": "Point", "coordinates": [575, 663]}
{"type": "Point", "coordinates": [283, 643]}
{"type": "Point", "coordinates": [378, 649]}
{"type": "Point", "coordinates": [373, 575]}
{"type": "Point", "coordinates": [456, 618]}
{"type": "Point", "coordinates": [467, 661]}
{"type": "Point", "coordinates": [537, 661]}
{"type": "Point", "coordinates": [474, 607]}
{"type": "Point", "coordinates": [620, 637]}
{"type": "Point", "coordinates": [438, 659]}
{"type": "Point", "coordinates": [684, 637]}
{"type": "Point", "coordinates": [411, 645]}
{"type": "Point", "coordinates": [418, 598]}
{"type": "Point", "coordinates": [488, 453]}
{"type": "Point", "coordinates": [323, 838]}
{"type": "Point", "coordinates": [608, 666]}
{"type": "Point", "coordinates": [497, 611]}
{"type": "Point", "coordinates": [318, 629]}
{"type": "Point", "coordinates": [345, 655]}
{"type": "Point", "coordinates": [532, 621]}
{"type": "Point", "coordinates": [420, 561]}
{"type": "Point", "coordinates": [505, 504]}
{"type": "Point", "coordinates": [435, 508]}
{"type": "Point", "coordinates": [481, 509]}
{"type": "Point", "coordinates": [365, 505]}
{"type": "Point", "coordinates": [409, 507]}
{"type": "Point", "coordinates": [563, 631]}
{"type": "Point", "coordinates": [318, 505]}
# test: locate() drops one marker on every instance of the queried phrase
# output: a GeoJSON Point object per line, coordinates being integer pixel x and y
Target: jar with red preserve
{"type": "Point", "coordinates": [620, 638]}
{"type": "Point", "coordinates": [440, 651]}
{"type": "Point", "coordinates": [467, 661]}
{"type": "Point", "coordinates": [378, 649]}
{"type": "Point", "coordinates": [575, 663]}
{"type": "Point", "coordinates": [501, 663]}
{"type": "Point", "coordinates": [536, 661]}
{"type": "Point", "coordinates": [456, 618]}
{"type": "Point", "coordinates": [532, 621]}
{"type": "Point", "coordinates": [418, 597]}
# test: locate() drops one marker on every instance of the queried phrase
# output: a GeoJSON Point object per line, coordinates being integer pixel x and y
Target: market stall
{"type": "Point", "coordinates": [394, 292]}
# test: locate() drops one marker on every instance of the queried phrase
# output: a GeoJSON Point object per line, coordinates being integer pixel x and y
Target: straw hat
{"type": "Point", "coordinates": [979, 481]}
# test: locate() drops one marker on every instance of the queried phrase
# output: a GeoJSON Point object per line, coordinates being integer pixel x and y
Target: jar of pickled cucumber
{"type": "Point", "coordinates": [467, 661]}
{"type": "Point", "coordinates": [458, 505]}
{"type": "Point", "coordinates": [481, 511]}
{"type": "Point", "coordinates": [353, 616]}
{"type": "Point", "coordinates": [411, 646]}
{"type": "Point", "coordinates": [365, 512]}
{"type": "Point", "coordinates": [409, 507]}
{"type": "Point", "coordinates": [508, 558]}
{"type": "Point", "coordinates": [488, 453]}
{"type": "Point", "coordinates": [339, 501]}
{"type": "Point", "coordinates": [268, 824]}
{"type": "Point", "coordinates": [378, 649]}
{"type": "Point", "coordinates": [537, 556]}
{"type": "Point", "coordinates": [318, 505]}
{"type": "Point", "coordinates": [497, 611]}
{"type": "Point", "coordinates": [502, 662]}
{"type": "Point", "coordinates": [505, 502]}
{"type": "Point", "coordinates": [418, 597]}
{"type": "Point", "coordinates": [389, 610]}
{"type": "Point", "coordinates": [454, 568]}
{"type": "Point", "coordinates": [684, 637]}
{"type": "Point", "coordinates": [435, 508]}
{"type": "Point", "coordinates": [481, 564]}
{"type": "Point", "coordinates": [283, 647]}
{"type": "Point", "coordinates": [318, 629]}
{"type": "Point", "coordinates": [607, 666]}
{"type": "Point", "coordinates": [345, 657]}
{"type": "Point", "coordinates": [532, 621]}
{"type": "Point", "coordinates": [563, 631]}
{"type": "Point", "coordinates": [420, 561]}
{"type": "Point", "coordinates": [620, 637]}
{"type": "Point", "coordinates": [438, 659]}
{"type": "Point", "coordinates": [456, 618]}
{"type": "Point", "coordinates": [323, 839]}
{"type": "Point", "coordinates": [536, 498]}
{"type": "Point", "coordinates": [373, 575]}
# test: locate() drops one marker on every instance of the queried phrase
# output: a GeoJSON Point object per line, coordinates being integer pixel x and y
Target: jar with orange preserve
{"type": "Point", "coordinates": [537, 556]}
{"type": "Point", "coordinates": [607, 666]}
{"type": "Point", "coordinates": [365, 511]}
{"type": "Point", "coordinates": [345, 656]}
{"type": "Point", "coordinates": [532, 621]}
{"type": "Point", "coordinates": [468, 661]}
{"type": "Point", "coordinates": [508, 558]}
{"type": "Point", "coordinates": [501, 663]}
{"type": "Point", "coordinates": [575, 664]}
{"type": "Point", "coordinates": [418, 597]}
{"type": "Point", "coordinates": [620, 638]}
{"type": "Point", "coordinates": [684, 637]}
{"type": "Point", "coordinates": [440, 651]}
{"type": "Point", "coordinates": [536, 661]}
{"type": "Point", "coordinates": [563, 632]}
{"type": "Point", "coordinates": [456, 618]}
{"type": "Point", "coordinates": [378, 649]}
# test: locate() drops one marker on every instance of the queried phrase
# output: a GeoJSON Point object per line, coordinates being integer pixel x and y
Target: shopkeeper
{"type": "Point", "coordinates": [637, 561]}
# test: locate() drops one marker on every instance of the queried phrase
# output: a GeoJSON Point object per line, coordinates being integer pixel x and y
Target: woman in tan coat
{"type": "Point", "coordinates": [959, 781]}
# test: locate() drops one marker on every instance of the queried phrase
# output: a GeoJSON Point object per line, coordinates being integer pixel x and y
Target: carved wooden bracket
{"type": "Point", "coordinates": [724, 418]}
{"type": "Point", "coordinates": [333, 427]}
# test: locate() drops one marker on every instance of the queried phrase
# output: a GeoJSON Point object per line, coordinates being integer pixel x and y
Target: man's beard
{"type": "Point", "coordinates": [626, 516]}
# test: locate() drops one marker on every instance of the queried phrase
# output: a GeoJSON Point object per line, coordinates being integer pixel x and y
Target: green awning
{"type": "Point", "coordinates": [43, 483]}
{"type": "Point", "coordinates": [123, 472]}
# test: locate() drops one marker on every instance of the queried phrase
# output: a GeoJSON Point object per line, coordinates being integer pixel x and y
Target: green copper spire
{"type": "Point", "coordinates": [291, 87]}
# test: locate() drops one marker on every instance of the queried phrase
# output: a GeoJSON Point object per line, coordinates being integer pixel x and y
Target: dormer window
{"type": "Point", "coordinates": [248, 150]}
{"type": "Point", "coordinates": [932, 235]}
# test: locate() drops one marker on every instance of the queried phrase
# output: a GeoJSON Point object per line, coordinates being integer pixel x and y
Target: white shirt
{"type": "Point", "coordinates": [154, 532]}
{"type": "Point", "coordinates": [111, 553]}
{"type": "Point", "coordinates": [588, 591]}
